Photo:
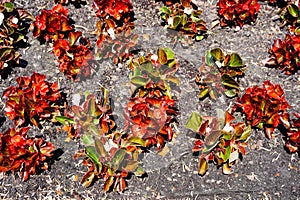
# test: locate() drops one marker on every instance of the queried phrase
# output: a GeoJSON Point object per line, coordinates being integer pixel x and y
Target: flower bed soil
{"type": "Point", "coordinates": [266, 172]}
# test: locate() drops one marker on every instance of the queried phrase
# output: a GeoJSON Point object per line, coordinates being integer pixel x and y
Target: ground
{"type": "Point", "coordinates": [266, 172]}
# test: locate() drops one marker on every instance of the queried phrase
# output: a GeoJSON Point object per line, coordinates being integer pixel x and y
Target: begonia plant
{"type": "Point", "coordinates": [219, 139]}
{"type": "Point", "coordinates": [264, 107]}
{"type": "Point", "coordinates": [184, 18]}
{"type": "Point", "coordinates": [14, 23]}
{"type": "Point", "coordinates": [219, 75]}
{"type": "Point", "coordinates": [237, 12]}
{"type": "Point", "coordinates": [284, 54]}
{"type": "Point", "coordinates": [74, 56]}
{"type": "Point", "coordinates": [33, 100]}
{"type": "Point", "coordinates": [23, 154]}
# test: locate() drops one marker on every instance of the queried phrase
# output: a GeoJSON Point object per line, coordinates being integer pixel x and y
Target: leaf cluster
{"type": "Point", "coordinates": [284, 54]}
{"type": "Point", "coordinates": [149, 115]}
{"type": "Point", "coordinates": [23, 154]}
{"type": "Point", "coordinates": [159, 68]}
{"type": "Point", "coordinates": [74, 56]}
{"type": "Point", "coordinates": [114, 30]}
{"type": "Point", "coordinates": [264, 107]}
{"type": "Point", "coordinates": [33, 100]}
{"type": "Point", "coordinates": [292, 139]}
{"type": "Point", "coordinates": [219, 75]}
{"type": "Point", "coordinates": [117, 46]}
{"type": "Point", "coordinates": [69, 46]}
{"type": "Point", "coordinates": [182, 17]}
{"type": "Point", "coordinates": [219, 139]}
{"type": "Point", "coordinates": [14, 23]}
{"type": "Point", "coordinates": [237, 12]}
{"type": "Point", "coordinates": [290, 16]}
{"type": "Point", "coordinates": [109, 155]}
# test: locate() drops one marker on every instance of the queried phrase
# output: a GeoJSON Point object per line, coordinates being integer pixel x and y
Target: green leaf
{"type": "Point", "coordinates": [194, 122]}
{"type": "Point", "coordinates": [140, 81]}
{"type": "Point", "coordinates": [199, 37]}
{"type": "Point", "coordinates": [209, 59]}
{"type": "Point", "coordinates": [5, 50]}
{"type": "Point", "coordinates": [217, 54]}
{"type": "Point", "coordinates": [64, 120]}
{"type": "Point", "coordinates": [8, 6]}
{"type": "Point", "coordinates": [162, 56]}
{"type": "Point", "coordinates": [235, 60]}
{"type": "Point", "coordinates": [170, 53]}
{"type": "Point", "coordinates": [117, 159]}
{"type": "Point", "coordinates": [230, 93]}
{"type": "Point", "coordinates": [203, 93]}
{"type": "Point", "coordinates": [203, 166]}
{"type": "Point", "coordinates": [229, 81]}
{"type": "Point", "coordinates": [139, 171]}
{"type": "Point", "coordinates": [100, 148]}
{"type": "Point", "coordinates": [226, 156]}
{"type": "Point", "coordinates": [184, 19]}
{"type": "Point", "coordinates": [92, 106]}
{"type": "Point", "coordinates": [131, 166]}
{"type": "Point", "coordinates": [226, 135]}
{"type": "Point", "coordinates": [165, 9]}
{"type": "Point", "coordinates": [174, 79]}
{"type": "Point", "coordinates": [246, 134]}
{"type": "Point", "coordinates": [176, 21]}
{"type": "Point", "coordinates": [293, 10]}
{"type": "Point", "coordinates": [137, 140]}
{"type": "Point", "coordinates": [144, 67]}
{"type": "Point", "coordinates": [87, 140]}
{"type": "Point", "coordinates": [92, 153]}
{"type": "Point", "coordinates": [297, 31]}
{"type": "Point", "coordinates": [212, 140]}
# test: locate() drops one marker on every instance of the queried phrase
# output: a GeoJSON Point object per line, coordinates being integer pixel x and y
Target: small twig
{"type": "Point", "coordinates": [82, 27]}
{"type": "Point", "coordinates": [278, 155]}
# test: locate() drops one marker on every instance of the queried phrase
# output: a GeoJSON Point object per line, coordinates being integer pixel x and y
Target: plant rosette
{"type": "Point", "coordinates": [23, 154]}
{"type": "Point", "coordinates": [220, 139]}
{"type": "Point", "coordinates": [159, 68]}
{"type": "Point", "coordinates": [237, 12]}
{"type": "Point", "coordinates": [264, 107]}
{"type": "Point", "coordinates": [184, 18]}
{"type": "Point", "coordinates": [284, 54]}
{"type": "Point", "coordinates": [14, 23]}
{"type": "Point", "coordinates": [32, 101]}
{"type": "Point", "coordinates": [219, 75]}
{"type": "Point", "coordinates": [52, 25]}
{"type": "Point", "coordinates": [75, 59]}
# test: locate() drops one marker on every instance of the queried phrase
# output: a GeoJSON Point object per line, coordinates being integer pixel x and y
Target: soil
{"type": "Point", "coordinates": [266, 172]}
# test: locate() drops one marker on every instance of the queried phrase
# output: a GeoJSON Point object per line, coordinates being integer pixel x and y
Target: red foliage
{"type": "Point", "coordinates": [115, 8]}
{"type": "Point", "coordinates": [149, 116]}
{"type": "Point", "coordinates": [264, 107]}
{"type": "Point", "coordinates": [65, 2]}
{"type": "Point", "coordinates": [34, 99]}
{"type": "Point", "coordinates": [20, 153]}
{"type": "Point", "coordinates": [237, 12]}
{"type": "Point", "coordinates": [293, 135]}
{"type": "Point", "coordinates": [52, 24]}
{"type": "Point", "coordinates": [118, 46]}
{"type": "Point", "coordinates": [90, 113]}
{"type": "Point", "coordinates": [73, 59]}
{"type": "Point", "coordinates": [285, 54]}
